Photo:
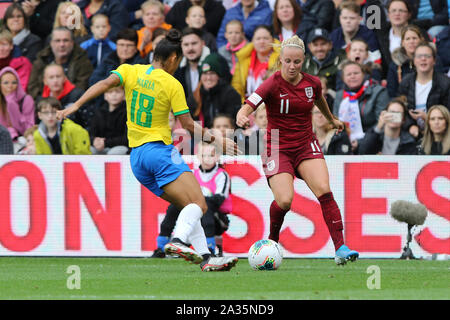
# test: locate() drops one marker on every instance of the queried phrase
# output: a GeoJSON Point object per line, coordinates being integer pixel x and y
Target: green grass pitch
{"type": "Point", "coordinates": [175, 279]}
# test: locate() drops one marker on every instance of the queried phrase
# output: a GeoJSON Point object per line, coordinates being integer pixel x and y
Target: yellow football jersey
{"type": "Point", "coordinates": [150, 95]}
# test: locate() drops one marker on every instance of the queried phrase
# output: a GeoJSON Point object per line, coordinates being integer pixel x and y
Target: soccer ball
{"type": "Point", "coordinates": [265, 255]}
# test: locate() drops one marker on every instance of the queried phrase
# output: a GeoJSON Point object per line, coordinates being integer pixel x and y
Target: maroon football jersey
{"type": "Point", "coordinates": [288, 108]}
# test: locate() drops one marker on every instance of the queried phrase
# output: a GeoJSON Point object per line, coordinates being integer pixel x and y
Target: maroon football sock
{"type": "Point", "coordinates": [276, 220]}
{"type": "Point", "coordinates": [332, 217]}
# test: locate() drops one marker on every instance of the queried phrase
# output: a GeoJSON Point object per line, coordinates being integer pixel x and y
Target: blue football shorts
{"type": "Point", "coordinates": [155, 164]}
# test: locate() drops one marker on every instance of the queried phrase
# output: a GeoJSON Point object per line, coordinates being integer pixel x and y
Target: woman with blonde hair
{"type": "Point", "coordinates": [436, 137]}
{"type": "Point", "coordinates": [69, 15]}
{"type": "Point", "coordinates": [292, 149]}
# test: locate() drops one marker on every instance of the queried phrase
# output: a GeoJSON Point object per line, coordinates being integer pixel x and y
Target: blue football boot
{"type": "Point", "coordinates": [344, 254]}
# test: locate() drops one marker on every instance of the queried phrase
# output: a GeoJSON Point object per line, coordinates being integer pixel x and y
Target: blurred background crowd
{"type": "Point", "coordinates": [384, 68]}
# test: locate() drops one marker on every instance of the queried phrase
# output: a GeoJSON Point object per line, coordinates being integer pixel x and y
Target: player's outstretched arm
{"type": "Point", "coordinates": [93, 92]}
{"type": "Point", "coordinates": [322, 104]}
{"type": "Point", "coordinates": [227, 145]}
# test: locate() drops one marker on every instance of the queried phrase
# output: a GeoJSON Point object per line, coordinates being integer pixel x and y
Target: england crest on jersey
{"type": "Point", "coordinates": [309, 92]}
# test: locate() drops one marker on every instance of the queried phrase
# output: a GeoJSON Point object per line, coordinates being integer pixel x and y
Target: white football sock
{"type": "Point", "coordinates": [198, 239]}
{"type": "Point", "coordinates": [189, 216]}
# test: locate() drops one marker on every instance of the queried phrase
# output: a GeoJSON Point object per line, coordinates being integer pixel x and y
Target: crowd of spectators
{"type": "Point", "coordinates": [384, 68]}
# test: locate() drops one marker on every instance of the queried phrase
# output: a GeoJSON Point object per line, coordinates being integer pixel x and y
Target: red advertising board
{"type": "Point", "coordinates": [93, 206]}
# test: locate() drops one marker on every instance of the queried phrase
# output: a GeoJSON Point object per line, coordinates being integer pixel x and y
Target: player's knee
{"type": "Point", "coordinates": [284, 202]}
{"type": "Point", "coordinates": [322, 189]}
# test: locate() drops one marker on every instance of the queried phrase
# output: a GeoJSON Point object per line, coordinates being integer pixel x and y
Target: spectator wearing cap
{"type": "Point", "coordinates": [214, 95]}
{"type": "Point", "coordinates": [321, 59]}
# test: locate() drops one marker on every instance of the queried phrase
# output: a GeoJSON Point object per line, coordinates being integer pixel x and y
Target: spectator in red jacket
{"type": "Point", "coordinates": [58, 86]}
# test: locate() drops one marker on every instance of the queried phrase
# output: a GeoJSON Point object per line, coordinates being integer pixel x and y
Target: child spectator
{"type": "Point", "coordinates": [16, 106]}
{"type": "Point", "coordinates": [223, 123]}
{"type": "Point", "coordinates": [358, 51]}
{"type": "Point", "coordinates": [196, 19]}
{"type": "Point", "coordinates": [216, 187]}
{"type": "Point", "coordinates": [58, 137]}
{"type": "Point", "coordinates": [388, 137]}
{"type": "Point", "coordinates": [350, 18]}
{"type": "Point", "coordinates": [260, 118]}
{"type": "Point", "coordinates": [152, 17]}
{"type": "Point", "coordinates": [234, 33]}
{"type": "Point", "coordinates": [99, 46]}
{"type": "Point", "coordinates": [255, 141]}
{"type": "Point", "coordinates": [30, 147]}
{"type": "Point", "coordinates": [109, 131]}
{"type": "Point", "coordinates": [10, 56]}
{"type": "Point", "coordinates": [226, 125]}
{"type": "Point", "coordinates": [214, 14]}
